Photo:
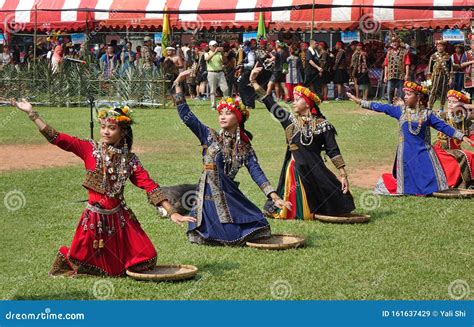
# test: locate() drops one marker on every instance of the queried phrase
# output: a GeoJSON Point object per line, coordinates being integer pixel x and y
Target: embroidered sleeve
{"type": "Point", "coordinates": [338, 161]}
{"type": "Point", "coordinates": [79, 147]}
{"type": "Point", "coordinates": [49, 133]}
{"type": "Point", "coordinates": [140, 178]}
{"type": "Point", "coordinates": [156, 196]}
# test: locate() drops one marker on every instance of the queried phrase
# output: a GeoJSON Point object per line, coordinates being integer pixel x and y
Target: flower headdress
{"type": "Point", "coordinates": [118, 114]}
{"type": "Point", "coordinates": [460, 96]}
{"type": "Point", "coordinates": [415, 87]}
{"type": "Point", "coordinates": [235, 106]}
{"type": "Point", "coordinates": [310, 97]}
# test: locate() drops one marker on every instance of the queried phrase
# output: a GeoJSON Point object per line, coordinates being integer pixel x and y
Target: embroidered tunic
{"type": "Point", "coordinates": [417, 170]}
{"type": "Point", "coordinates": [224, 214]}
{"type": "Point", "coordinates": [108, 239]}
{"type": "Point", "coordinates": [305, 180]}
{"type": "Point", "coordinates": [458, 164]}
{"type": "Point", "coordinates": [440, 68]}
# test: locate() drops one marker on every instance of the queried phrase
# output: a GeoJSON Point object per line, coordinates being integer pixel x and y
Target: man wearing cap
{"type": "Point", "coordinates": [440, 70]}
{"type": "Point", "coordinates": [215, 72]}
{"type": "Point", "coordinates": [396, 68]}
{"type": "Point", "coordinates": [467, 63]}
{"type": "Point", "coordinates": [147, 56]}
{"type": "Point", "coordinates": [456, 60]}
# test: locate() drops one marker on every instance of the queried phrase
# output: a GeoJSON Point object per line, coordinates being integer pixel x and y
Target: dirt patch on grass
{"type": "Point", "coordinates": [28, 156]}
{"type": "Point", "coordinates": [367, 177]}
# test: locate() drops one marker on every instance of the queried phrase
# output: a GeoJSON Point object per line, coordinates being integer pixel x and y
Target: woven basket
{"type": "Point", "coordinates": [278, 242]}
{"type": "Point", "coordinates": [165, 273]}
{"type": "Point", "coordinates": [454, 193]}
{"type": "Point", "coordinates": [352, 218]}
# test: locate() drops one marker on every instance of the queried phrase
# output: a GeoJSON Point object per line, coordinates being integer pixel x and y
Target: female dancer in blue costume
{"type": "Point", "coordinates": [224, 215]}
{"type": "Point", "coordinates": [417, 170]}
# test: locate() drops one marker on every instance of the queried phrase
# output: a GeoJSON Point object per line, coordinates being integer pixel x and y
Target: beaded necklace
{"type": "Point", "coordinates": [113, 163]}
{"type": "Point", "coordinates": [420, 121]}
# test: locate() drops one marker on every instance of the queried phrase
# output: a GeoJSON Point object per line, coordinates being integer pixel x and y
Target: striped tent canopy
{"type": "Point", "coordinates": [191, 14]}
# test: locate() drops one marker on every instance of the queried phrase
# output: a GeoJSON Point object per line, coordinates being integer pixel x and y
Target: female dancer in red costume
{"type": "Point", "coordinates": [108, 238]}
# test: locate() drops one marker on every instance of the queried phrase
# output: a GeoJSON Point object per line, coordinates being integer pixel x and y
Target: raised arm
{"type": "Point", "coordinates": [444, 128]}
{"type": "Point", "coordinates": [186, 115]}
{"type": "Point", "coordinates": [66, 142]}
{"type": "Point", "coordinates": [392, 111]}
{"type": "Point", "coordinates": [283, 116]}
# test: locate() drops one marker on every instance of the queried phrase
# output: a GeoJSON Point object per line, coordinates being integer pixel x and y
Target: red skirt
{"type": "Point", "coordinates": [451, 167]}
{"type": "Point", "coordinates": [106, 242]}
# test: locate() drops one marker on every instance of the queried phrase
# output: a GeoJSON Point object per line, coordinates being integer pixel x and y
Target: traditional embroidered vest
{"type": "Point", "coordinates": [396, 64]}
{"type": "Point", "coordinates": [469, 71]}
{"type": "Point", "coordinates": [439, 62]}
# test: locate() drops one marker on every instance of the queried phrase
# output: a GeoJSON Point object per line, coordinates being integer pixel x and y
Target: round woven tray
{"type": "Point", "coordinates": [352, 218]}
{"type": "Point", "coordinates": [278, 242]}
{"type": "Point", "coordinates": [454, 193]}
{"type": "Point", "coordinates": [165, 273]}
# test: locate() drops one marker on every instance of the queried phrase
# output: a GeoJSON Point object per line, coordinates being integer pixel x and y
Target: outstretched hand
{"type": "Point", "coordinates": [179, 219]}
{"type": "Point", "coordinates": [468, 141]}
{"type": "Point", "coordinates": [23, 105]}
{"type": "Point", "coordinates": [182, 76]}
{"type": "Point", "coordinates": [353, 98]}
{"type": "Point", "coordinates": [283, 204]}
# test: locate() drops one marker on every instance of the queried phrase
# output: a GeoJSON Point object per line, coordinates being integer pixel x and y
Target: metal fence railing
{"type": "Point", "coordinates": [74, 83]}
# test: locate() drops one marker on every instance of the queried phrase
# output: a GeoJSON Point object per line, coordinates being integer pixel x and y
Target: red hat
{"type": "Point", "coordinates": [360, 44]}
{"type": "Point", "coordinates": [240, 112]}
{"type": "Point", "coordinates": [340, 43]}
{"type": "Point", "coordinates": [461, 97]}
{"type": "Point", "coordinates": [309, 97]}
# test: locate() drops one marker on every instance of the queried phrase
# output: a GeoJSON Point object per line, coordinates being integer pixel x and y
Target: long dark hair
{"type": "Point", "coordinates": [126, 130]}
{"type": "Point", "coordinates": [128, 136]}
{"type": "Point", "coordinates": [242, 127]}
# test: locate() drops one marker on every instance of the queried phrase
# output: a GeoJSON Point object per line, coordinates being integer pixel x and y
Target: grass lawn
{"type": "Point", "coordinates": [413, 248]}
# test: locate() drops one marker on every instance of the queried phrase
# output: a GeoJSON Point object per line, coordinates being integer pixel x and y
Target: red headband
{"type": "Point", "coordinates": [309, 102]}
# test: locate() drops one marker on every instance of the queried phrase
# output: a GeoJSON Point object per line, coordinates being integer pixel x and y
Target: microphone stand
{"type": "Point", "coordinates": [91, 101]}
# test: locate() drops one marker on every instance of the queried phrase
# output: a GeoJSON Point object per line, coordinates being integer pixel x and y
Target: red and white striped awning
{"type": "Point", "coordinates": [21, 14]}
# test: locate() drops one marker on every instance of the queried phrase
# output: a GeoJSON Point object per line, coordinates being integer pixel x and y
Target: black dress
{"type": "Point", "coordinates": [305, 180]}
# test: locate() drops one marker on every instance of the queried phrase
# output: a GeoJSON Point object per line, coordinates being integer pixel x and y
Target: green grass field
{"type": "Point", "coordinates": [414, 248]}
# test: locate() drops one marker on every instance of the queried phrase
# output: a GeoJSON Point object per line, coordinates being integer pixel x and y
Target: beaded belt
{"type": "Point", "coordinates": [101, 211]}
{"type": "Point", "coordinates": [209, 166]}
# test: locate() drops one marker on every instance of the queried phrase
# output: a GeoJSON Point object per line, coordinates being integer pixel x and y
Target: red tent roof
{"type": "Point", "coordinates": [20, 14]}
